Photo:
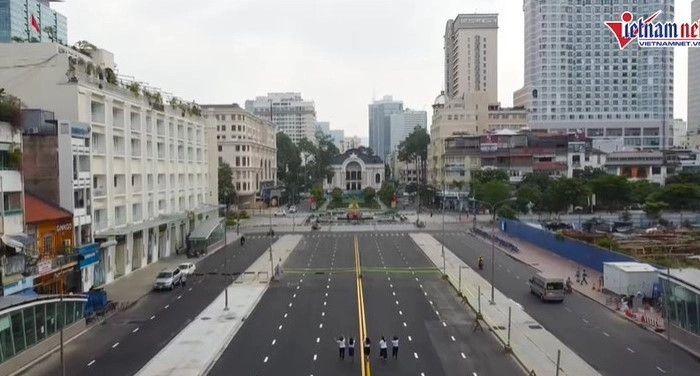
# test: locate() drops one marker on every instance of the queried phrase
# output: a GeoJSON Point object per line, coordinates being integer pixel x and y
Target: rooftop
{"type": "Point", "coordinates": [38, 210]}
{"type": "Point", "coordinates": [632, 267]}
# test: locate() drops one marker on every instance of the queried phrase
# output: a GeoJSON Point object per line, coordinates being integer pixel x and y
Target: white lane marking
{"type": "Point", "coordinates": [404, 324]}
{"type": "Point", "coordinates": [328, 286]}
{"type": "Point", "coordinates": [430, 301]}
{"type": "Point", "coordinates": [315, 357]}
{"type": "Point", "coordinates": [421, 285]}
{"type": "Point", "coordinates": [285, 315]}
{"type": "Point", "coordinates": [167, 306]}
{"type": "Point", "coordinates": [415, 355]}
{"type": "Point", "coordinates": [279, 327]}
{"type": "Point", "coordinates": [179, 296]}
{"type": "Point", "coordinates": [290, 304]}
{"type": "Point", "coordinates": [324, 303]}
{"type": "Point", "coordinates": [397, 302]}
{"type": "Point", "coordinates": [318, 339]}
{"type": "Point", "coordinates": [297, 287]}
{"type": "Point", "coordinates": [585, 321]}
{"type": "Point", "coordinates": [393, 293]}
{"type": "Point", "coordinates": [391, 285]}
{"type": "Point", "coordinates": [410, 339]}
{"type": "Point", "coordinates": [630, 350]}
{"type": "Point", "coordinates": [115, 345]}
{"type": "Point", "coordinates": [323, 313]}
{"type": "Point", "coordinates": [152, 317]}
{"type": "Point", "coordinates": [657, 367]}
{"type": "Point", "coordinates": [444, 324]}
{"type": "Point", "coordinates": [416, 279]}
{"type": "Point", "coordinates": [135, 330]}
{"type": "Point", "coordinates": [320, 325]}
{"type": "Point", "coordinates": [400, 313]}
{"type": "Point", "coordinates": [265, 360]}
{"type": "Point", "coordinates": [425, 293]}
{"type": "Point", "coordinates": [453, 338]}
{"type": "Point", "coordinates": [294, 296]}
{"type": "Point", "coordinates": [301, 280]}
{"type": "Point", "coordinates": [567, 309]}
{"type": "Point", "coordinates": [273, 342]}
{"type": "Point", "coordinates": [189, 289]}
{"type": "Point", "coordinates": [91, 362]}
{"type": "Point", "coordinates": [463, 356]}
{"type": "Point", "coordinates": [437, 313]}
{"type": "Point", "coordinates": [326, 294]}
{"type": "Point", "coordinates": [606, 334]}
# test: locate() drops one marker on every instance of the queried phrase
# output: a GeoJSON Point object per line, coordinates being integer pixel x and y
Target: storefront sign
{"type": "Point", "coordinates": [90, 255]}
{"type": "Point", "coordinates": [64, 227]}
{"type": "Point", "coordinates": [44, 267]}
{"type": "Point", "coordinates": [22, 284]}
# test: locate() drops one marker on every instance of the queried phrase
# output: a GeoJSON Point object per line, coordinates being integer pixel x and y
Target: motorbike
{"type": "Point", "coordinates": [568, 289]}
{"type": "Point", "coordinates": [481, 264]}
{"type": "Point", "coordinates": [242, 240]}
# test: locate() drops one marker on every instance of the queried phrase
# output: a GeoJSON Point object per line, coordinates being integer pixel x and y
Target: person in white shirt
{"type": "Point", "coordinates": [341, 347]}
{"type": "Point", "coordinates": [395, 347]}
{"type": "Point", "coordinates": [382, 348]}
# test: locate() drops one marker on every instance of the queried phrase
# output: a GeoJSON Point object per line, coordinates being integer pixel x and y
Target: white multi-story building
{"type": "Point", "coordinates": [248, 144]}
{"type": "Point", "coordinates": [577, 77]}
{"type": "Point", "coordinates": [694, 79]}
{"type": "Point", "coordinates": [292, 115]}
{"type": "Point", "coordinates": [149, 161]}
{"type": "Point", "coordinates": [403, 124]}
{"type": "Point", "coordinates": [680, 133]}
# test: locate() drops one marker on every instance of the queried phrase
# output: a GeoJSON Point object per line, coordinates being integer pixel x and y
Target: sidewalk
{"type": "Point", "coordinates": [199, 345]}
{"type": "Point", "coordinates": [534, 347]}
{"type": "Point", "coordinates": [135, 285]}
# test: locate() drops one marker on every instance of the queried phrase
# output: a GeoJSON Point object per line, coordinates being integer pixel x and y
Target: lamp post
{"type": "Point", "coordinates": [493, 238]}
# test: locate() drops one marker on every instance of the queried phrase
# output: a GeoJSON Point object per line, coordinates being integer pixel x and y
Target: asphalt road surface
{"type": "Point", "coordinates": [609, 343]}
{"type": "Point", "coordinates": [125, 342]}
{"type": "Point", "coordinates": [292, 330]}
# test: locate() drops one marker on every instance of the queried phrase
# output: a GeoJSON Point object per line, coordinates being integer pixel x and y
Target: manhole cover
{"type": "Point", "coordinates": [206, 318]}
{"type": "Point", "coordinates": [534, 326]}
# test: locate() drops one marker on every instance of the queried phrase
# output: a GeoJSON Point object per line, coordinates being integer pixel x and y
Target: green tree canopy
{"type": "Point", "coordinates": [538, 179]}
{"type": "Point", "coordinates": [528, 193]}
{"type": "Point", "coordinates": [288, 162]}
{"type": "Point", "coordinates": [493, 192]}
{"type": "Point", "coordinates": [485, 176]}
{"type": "Point", "coordinates": [387, 192]}
{"type": "Point", "coordinates": [684, 177]}
{"type": "Point", "coordinates": [564, 192]}
{"type": "Point", "coordinates": [612, 192]}
{"type": "Point", "coordinates": [589, 173]}
{"type": "Point", "coordinates": [642, 189]}
{"type": "Point", "coordinates": [317, 193]}
{"type": "Point", "coordinates": [227, 191]}
{"type": "Point", "coordinates": [319, 156]}
{"type": "Point", "coordinates": [369, 194]}
{"type": "Point", "coordinates": [678, 196]}
{"type": "Point", "coordinates": [414, 149]}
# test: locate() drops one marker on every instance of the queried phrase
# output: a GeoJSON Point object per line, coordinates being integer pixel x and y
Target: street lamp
{"type": "Point", "coordinates": [493, 237]}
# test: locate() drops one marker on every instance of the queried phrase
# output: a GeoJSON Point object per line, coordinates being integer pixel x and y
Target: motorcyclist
{"type": "Point", "coordinates": [242, 239]}
{"type": "Point", "coordinates": [481, 263]}
{"type": "Point", "coordinates": [569, 284]}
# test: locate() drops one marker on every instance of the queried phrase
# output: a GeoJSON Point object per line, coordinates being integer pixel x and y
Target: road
{"type": "Point", "coordinates": [293, 328]}
{"type": "Point", "coordinates": [609, 343]}
{"type": "Point", "coordinates": [138, 333]}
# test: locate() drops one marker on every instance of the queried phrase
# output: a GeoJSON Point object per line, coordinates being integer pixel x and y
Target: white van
{"type": "Point", "coordinates": [547, 287]}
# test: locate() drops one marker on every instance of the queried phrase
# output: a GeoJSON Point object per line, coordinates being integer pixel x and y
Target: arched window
{"type": "Point", "coordinates": [378, 178]}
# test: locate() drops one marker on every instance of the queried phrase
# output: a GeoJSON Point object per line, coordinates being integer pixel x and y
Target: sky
{"type": "Point", "coordinates": [341, 54]}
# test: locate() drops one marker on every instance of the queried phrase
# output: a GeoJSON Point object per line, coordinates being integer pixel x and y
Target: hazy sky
{"type": "Point", "coordinates": [339, 53]}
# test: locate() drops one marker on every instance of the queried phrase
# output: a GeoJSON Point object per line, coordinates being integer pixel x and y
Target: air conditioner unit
{"type": "Point", "coordinates": [33, 130]}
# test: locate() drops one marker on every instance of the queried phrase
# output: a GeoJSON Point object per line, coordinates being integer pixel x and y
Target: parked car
{"type": "Point", "coordinates": [292, 209]}
{"type": "Point", "coordinates": [167, 279]}
{"type": "Point", "coordinates": [187, 268]}
{"type": "Point", "coordinates": [280, 213]}
{"type": "Point", "coordinates": [316, 226]}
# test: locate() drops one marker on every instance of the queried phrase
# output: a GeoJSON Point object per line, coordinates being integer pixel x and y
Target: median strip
{"type": "Point", "coordinates": [364, 363]}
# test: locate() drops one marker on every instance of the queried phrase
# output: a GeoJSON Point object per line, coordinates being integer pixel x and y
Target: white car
{"type": "Point", "coordinates": [292, 209]}
{"type": "Point", "coordinates": [280, 213]}
{"type": "Point", "coordinates": [187, 268]}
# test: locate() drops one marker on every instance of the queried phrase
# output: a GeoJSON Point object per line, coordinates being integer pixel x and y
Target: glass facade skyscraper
{"type": "Point", "coordinates": [577, 77]}
{"type": "Point", "coordinates": [31, 21]}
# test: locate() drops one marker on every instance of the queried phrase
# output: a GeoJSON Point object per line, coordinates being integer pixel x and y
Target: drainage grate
{"type": "Point", "coordinates": [320, 273]}
{"type": "Point", "coordinates": [534, 326]}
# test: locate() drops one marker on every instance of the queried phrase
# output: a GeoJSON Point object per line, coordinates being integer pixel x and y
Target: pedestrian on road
{"type": "Point", "coordinates": [183, 282]}
{"type": "Point", "coordinates": [351, 348]}
{"type": "Point", "coordinates": [367, 345]}
{"type": "Point", "coordinates": [395, 347]}
{"type": "Point", "coordinates": [578, 275]}
{"type": "Point", "coordinates": [583, 277]}
{"type": "Point", "coordinates": [382, 348]}
{"type": "Point", "coordinates": [341, 347]}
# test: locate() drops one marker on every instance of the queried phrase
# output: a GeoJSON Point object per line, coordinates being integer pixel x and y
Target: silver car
{"type": "Point", "coordinates": [167, 279]}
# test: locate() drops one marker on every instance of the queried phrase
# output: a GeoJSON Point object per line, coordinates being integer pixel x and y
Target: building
{"type": "Point", "coordinates": [149, 160]}
{"type": "Point", "coordinates": [248, 144]}
{"type": "Point", "coordinates": [324, 127]}
{"type": "Point", "coordinates": [512, 118]}
{"type": "Point", "coordinates": [651, 165]}
{"type": "Point", "coordinates": [682, 286]}
{"type": "Point", "coordinates": [353, 142]}
{"type": "Point", "coordinates": [403, 124]}
{"type": "Point", "coordinates": [292, 115]}
{"type": "Point", "coordinates": [31, 21]}
{"type": "Point", "coordinates": [354, 170]}
{"type": "Point", "coordinates": [338, 136]}
{"type": "Point", "coordinates": [694, 79]}
{"type": "Point", "coordinates": [582, 155]}
{"type": "Point", "coordinates": [380, 124]}
{"type": "Point", "coordinates": [17, 249]}
{"type": "Point", "coordinates": [403, 173]}
{"type": "Point", "coordinates": [57, 169]}
{"type": "Point", "coordinates": [680, 134]}
{"type": "Point", "coordinates": [577, 77]}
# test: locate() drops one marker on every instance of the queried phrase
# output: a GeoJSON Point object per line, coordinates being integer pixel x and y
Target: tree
{"type": "Point", "coordinates": [614, 192]}
{"type": "Point", "coordinates": [493, 192]}
{"type": "Point", "coordinates": [679, 196]}
{"type": "Point", "coordinates": [288, 163]}
{"type": "Point", "coordinates": [10, 109]}
{"type": "Point", "coordinates": [506, 211]}
{"type": "Point", "coordinates": [528, 193]}
{"type": "Point", "coordinates": [565, 192]}
{"type": "Point", "coordinates": [366, 149]}
{"type": "Point", "coordinates": [317, 193]}
{"type": "Point", "coordinates": [369, 194]}
{"type": "Point", "coordinates": [538, 179]}
{"type": "Point", "coordinates": [684, 177]}
{"type": "Point", "coordinates": [319, 155]}
{"type": "Point", "coordinates": [227, 192]}
{"type": "Point", "coordinates": [387, 192]}
{"type": "Point", "coordinates": [653, 209]}
{"type": "Point", "coordinates": [641, 190]}
{"type": "Point", "coordinates": [85, 47]}
{"type": "Point", "coordinates": [589, 173]}
{"type": "Point", "coordinates": [337, 195]}
{"type": "Point", "coordinates": [414, 149]}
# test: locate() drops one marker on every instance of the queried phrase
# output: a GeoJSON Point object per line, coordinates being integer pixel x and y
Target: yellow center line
{"type": "Point", "coordinates": [361, 312]}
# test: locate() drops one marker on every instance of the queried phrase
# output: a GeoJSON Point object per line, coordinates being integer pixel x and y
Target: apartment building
{"type": "Point", "coordinates": [248, 144]}
{"type": "Point", "coordinates": [651, 165]}
{"type": "Point", "coordinates": [149, 160]}
{"type": "Point", "coordinates": [31, 21]}
{"type": "Point", "coordinates": [292, 115]}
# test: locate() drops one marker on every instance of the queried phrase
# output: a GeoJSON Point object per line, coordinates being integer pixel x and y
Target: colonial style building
{"type": "Point", "coordinates": [355, 170]}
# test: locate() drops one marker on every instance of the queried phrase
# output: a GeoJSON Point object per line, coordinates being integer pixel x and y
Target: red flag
{"type": "Point", "coordinates": [35, 24]}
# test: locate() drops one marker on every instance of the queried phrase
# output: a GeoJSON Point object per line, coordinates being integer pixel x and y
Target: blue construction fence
{"type": "Point", "coordinates": [583, 253]}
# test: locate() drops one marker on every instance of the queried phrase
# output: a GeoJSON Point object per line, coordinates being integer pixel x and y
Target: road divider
{"type": "Point", "coordinates": [362, 322]}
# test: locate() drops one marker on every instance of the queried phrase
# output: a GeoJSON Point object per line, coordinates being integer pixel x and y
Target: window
{"type": "Point", "coordinates": [378, 178]}
{"type": "Point", "coordinates": [48, 242]}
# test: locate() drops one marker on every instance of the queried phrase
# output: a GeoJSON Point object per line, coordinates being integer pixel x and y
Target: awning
{"type": "Point", "coordinates": [204, 230]}
{"type": "Point", "coordinates": [18, 241]}
{"type": "Point", "coordinates": [128, 229]}
{"type": "Point", "coordinates": [89, 255]}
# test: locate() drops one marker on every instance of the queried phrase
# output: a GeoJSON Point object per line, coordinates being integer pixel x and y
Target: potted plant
{"type": "Point", "coordinates": [10, 109]}
{"type": "Point", "coordinates": [134, 88]}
